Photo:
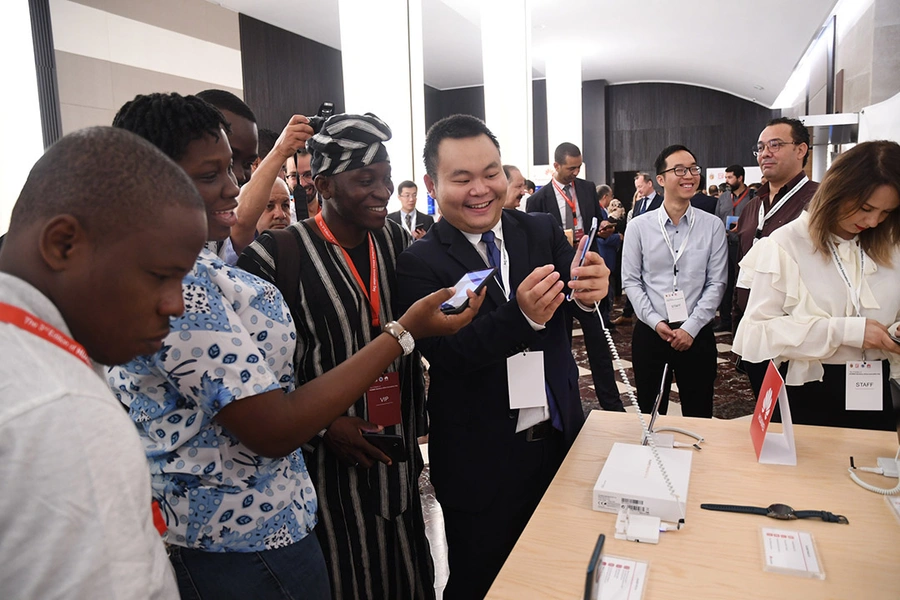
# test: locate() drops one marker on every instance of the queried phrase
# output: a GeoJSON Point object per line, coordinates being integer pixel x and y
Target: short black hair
{"type": "Point", "coordinates": [603, 190]}
{"type": "Point", "coordinates": [267, 139]}
{"type": "Point", "coordinates": [799, 132]}
{"type": "Point", "coordinates": [171, 121]}
{"type": "Point", "coordinates": [406, 184]}
{"type": "Point", "coordinates": [564, 150]}
{"type": "Point", "coordinates": [508, 169]}
{"type": "Point", "coordinates": [113, 181]}
{"type": "Point", "coordinates": [736, 170]}
{"type": "Point", "coordinates": [668, 151]}
{"type": "Point", "coordinates": [529, 184]}
{"type": "Point", "coordinates": [454, 127]}
{"type": "Point", "coordinates": [227, 101]}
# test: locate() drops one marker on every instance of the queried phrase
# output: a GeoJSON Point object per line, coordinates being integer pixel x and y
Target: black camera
{"type": "Point", "coordinates": [325, 111]}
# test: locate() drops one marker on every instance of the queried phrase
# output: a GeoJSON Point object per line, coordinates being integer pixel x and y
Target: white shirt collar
{"type": "Point", "coordinates": [475, 238]}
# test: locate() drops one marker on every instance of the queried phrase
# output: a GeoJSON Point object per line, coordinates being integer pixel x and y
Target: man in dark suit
{"type": "Point", "coordinates": [573, 204]}
{"type": "Point", "coordinates": [416, 223]}
{"type": "Point", "coordinates": [649, 199]}
{"type": "Point", "coordinates": [491, 461]}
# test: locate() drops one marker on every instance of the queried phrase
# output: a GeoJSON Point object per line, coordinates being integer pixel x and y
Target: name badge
{"type": "Point", "coordinates": [525, 374]}
{"type": "Point", "coordinates": [864, 385]}
{"type": "Point", "coordinates": [676, 308]}
{"type": "Point", "coordinates": [383, 400]}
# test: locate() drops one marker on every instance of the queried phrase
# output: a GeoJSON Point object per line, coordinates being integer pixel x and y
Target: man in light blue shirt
{"type": "Point", "coordinates": [674, 271]}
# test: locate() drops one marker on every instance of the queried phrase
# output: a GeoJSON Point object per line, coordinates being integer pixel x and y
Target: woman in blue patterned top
{"type": "Point", "coordinates": [219, 430]}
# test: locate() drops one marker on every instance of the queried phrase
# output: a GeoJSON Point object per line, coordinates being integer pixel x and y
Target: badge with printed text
{"type": "Point", "coordinates": [864, 385]}
{"type": "Point", "coordinates": [676, 308]}
{"type": "Point", "coordinates": [383, 400]}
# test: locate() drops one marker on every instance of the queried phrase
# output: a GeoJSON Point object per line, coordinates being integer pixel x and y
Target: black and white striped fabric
{"type": "Point", "coordinates": [370, 520]}
{"type": "Point", "coordinates": [347, 142]}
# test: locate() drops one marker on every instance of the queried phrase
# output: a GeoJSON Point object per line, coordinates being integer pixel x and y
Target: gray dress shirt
{"type": "Point", "coordinates": [648, 267]}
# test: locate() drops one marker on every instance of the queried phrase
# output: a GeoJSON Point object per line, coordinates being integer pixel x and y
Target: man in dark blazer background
{"type": "Point", "coordinates": [414, 221]}
{"type": "Point", "coordinates": [573, 203]}
{"type": "Point", "coordinates": [570, 209]}
{"type": "Point", "coordinates": [491, 463]}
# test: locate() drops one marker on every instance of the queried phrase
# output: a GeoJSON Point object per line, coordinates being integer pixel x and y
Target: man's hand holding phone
{"type": "Point", "coordinates": [606, 229]}
{"type": "Point", "coordinates": [344, 437]}
{"type": "Point", "coordinates": [589, 275]}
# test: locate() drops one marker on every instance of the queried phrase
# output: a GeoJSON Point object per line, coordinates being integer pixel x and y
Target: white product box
{"type": "Point", "coordinates": [631, 477]}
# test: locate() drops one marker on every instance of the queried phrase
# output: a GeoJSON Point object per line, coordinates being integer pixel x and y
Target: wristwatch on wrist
{"type": "Point", "coordinates": [779, 511]}
{"type": "Point", "coordinates": [403, 337]}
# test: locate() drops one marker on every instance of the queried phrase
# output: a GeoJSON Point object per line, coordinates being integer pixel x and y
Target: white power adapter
{"type": "Point", "coordinates": [889, 467]}
{"type": "Point", "coordinates": [637, 528]}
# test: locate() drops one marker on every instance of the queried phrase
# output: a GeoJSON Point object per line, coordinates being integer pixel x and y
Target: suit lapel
{"type": "Point", "coordinates": [550, 204]}
{"type": "Point", "coordinates": [585, 199]}
{"type": "Point", "coordinates": [517, 248]}
{"type": "Point", "coordinates": [459, 248]}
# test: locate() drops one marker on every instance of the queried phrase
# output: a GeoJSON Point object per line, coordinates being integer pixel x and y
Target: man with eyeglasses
{"type": "Point", "coordinates": [415, 222]}
{"type": "Point", "coordinates": [674, 271]}
{"type": "Point", "coordinates": [782, 152]}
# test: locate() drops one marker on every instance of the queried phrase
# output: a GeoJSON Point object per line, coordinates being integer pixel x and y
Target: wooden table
{"type": "Point", "coordinates": [719, 555]}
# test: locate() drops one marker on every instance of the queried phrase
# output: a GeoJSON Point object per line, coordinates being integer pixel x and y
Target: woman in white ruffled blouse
{"type": "Point", "coordinates": [825, 293]}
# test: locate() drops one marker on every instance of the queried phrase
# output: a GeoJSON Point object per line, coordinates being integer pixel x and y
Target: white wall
{"type": "Point", "coordinates": [20, 119]}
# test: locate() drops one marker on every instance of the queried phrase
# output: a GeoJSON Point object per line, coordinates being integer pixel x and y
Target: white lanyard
{"type": "Point", "coordinates": [765, 216]}
{"type": "Point", "coordinates": [854, 292]}
{"type": "Point", "coordinates": [680, 253]}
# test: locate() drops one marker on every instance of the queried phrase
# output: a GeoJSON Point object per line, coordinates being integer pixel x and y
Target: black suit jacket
{"type": "Point", "coordinates": [472, 427]}
{"type": "Point", "coordinates": [705, 203]}
{"type": "Point", "coordinates": [654, 204]}
{"type": "Point", "coordinates": [544, 200]}
{"type": "Point", "coordinates": [422, 220]}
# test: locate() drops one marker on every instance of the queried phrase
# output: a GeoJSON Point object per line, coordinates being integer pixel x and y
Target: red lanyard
{"type": "Point", "coordinates": [372, 295]}
{"type": "Point", "coordinates": [568, 200]}
{"type": "Point", "coordinates": [734, 203]}
{"type": "Point", "coordinates": [28, 322]}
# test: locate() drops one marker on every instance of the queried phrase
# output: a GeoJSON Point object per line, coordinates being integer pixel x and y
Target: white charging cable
{"type": "Point", "coordinates": [877, 470]}
{"type": "Point", "coordinates": [646, 432]}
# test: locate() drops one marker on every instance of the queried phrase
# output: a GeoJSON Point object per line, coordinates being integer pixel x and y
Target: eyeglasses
{"type": "Point", "coordinates": [292, 176]}
{"type": "Point", "coordinates": [409, 195]}
{"type": "Point", "coordinates": [682, 171]}
{"type": "Point", "coordinates": [773, 146]}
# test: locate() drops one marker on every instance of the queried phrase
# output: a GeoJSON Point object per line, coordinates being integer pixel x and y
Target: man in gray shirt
{"type": "Point", "coordinates": [674, 270]}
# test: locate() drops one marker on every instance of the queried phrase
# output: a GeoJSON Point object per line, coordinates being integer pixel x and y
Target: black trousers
{"type": "Point", "coordinates": [478, 543]}
{"type": "Point", "coordinates": [600, 360]}
{"type": "Point", "coordinates": [725, 307]}
{"type": "Point", "coordinates": [694, 370]}
{"type": "Point", "coordinates": [824, 402]}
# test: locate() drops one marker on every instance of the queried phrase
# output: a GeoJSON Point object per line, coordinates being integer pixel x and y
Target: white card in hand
{"type": "Point", "coordinates": [525, 373]}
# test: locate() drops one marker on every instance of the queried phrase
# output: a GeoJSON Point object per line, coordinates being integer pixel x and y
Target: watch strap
{"type": "Point", "coordinates": [750, 510]}
{"type": "Point", "coordinates": [826, 516]}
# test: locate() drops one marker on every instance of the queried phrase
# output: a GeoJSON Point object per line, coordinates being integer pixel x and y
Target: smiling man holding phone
{"type": "Point", "coordinates": [503, 399]}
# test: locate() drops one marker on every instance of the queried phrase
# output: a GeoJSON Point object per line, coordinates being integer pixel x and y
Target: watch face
{"type": "Point", "coordinates": [781, 511]}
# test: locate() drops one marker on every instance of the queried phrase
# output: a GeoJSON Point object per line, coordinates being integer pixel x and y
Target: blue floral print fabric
{"type": "Point", "coordinates": [235, 339]}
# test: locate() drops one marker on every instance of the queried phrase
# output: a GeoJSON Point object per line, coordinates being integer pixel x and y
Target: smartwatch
{"type": "Point", "coordinates": [779, 511]}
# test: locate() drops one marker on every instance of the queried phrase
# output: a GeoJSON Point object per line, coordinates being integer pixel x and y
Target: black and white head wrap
{"type": "Point", "coordinates": [347, 142]}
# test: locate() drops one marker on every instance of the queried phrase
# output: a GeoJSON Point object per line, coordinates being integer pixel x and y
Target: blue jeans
{"type": "Point", "coordinates": [294, 572]}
